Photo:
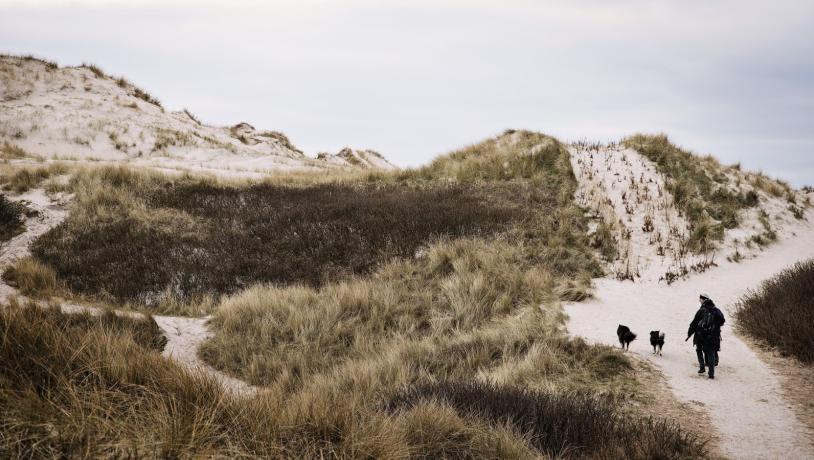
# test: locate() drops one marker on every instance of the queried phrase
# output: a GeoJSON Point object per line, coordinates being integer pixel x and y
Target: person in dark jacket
{"type": "Point", "coordinates": [706, 327]}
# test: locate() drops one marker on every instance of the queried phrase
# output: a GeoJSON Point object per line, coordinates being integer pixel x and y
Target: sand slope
{"type": "Point", "coordinates": [81, 114]}
{"type": "Point", "coordinates": [625, 190]}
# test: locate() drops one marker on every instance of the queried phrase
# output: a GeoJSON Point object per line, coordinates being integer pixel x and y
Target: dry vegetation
{"type": "Point", "coordinates": [452, 284]}
{"type": "Point", "coordinates": [781, 312]}
{"type": "Point", "coordinates": [463, 310]}
{"type": "Point", "coordinates": [22, 179]}
{"type": "Point", "coordinates": [229, 238]}
{"type": "Point", "coordinates": [84, 386]}
{"type": "Point", "coordinates": [95, 386]}
{"type": "Point", "coordinates": [551, 421]}
{"type": "Point", "coordinates": [12, 218]}
{"type": "Point", "coordinates": [31, 277]}
{"type": "Point", "coordinates": [11, 152]}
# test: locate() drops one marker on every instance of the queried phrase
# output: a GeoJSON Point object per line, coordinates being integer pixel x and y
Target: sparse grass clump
{"type": "Point", "coordinates": [95, 69]}
{"type": "Point", "coordinates": [192, 117]}
{"type": "Point", "coordinates": [146, 97]}
{"type": "Point", "coordinates": [23, 179]}
{"type": "Point", "coordinates": [12, 218]}
{"type": "Point", "coordinates": [10, 151]}
{"type": "Point", "coordinates": [603, 240]}
{"type": "Point", "coordinates": [797, 211]}
{"type": "Point", "coordinates": [49, 65]}
{"type": "Point", "coordinates": [773, 187]}
{"type": "Point", "coordinates": [31, 277]}
{"type": "Point", "coordinates": [130, 87]}
{"type": "Point", "coordinates": [282, 138]}
{"type": "Point", "coordinates": [781, 312]}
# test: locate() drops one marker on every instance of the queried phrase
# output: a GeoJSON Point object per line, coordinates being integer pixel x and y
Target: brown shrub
{"type": "Point", "coordinates": [261, 234]}
{"type": "Point", "coordinates": [781, 311]}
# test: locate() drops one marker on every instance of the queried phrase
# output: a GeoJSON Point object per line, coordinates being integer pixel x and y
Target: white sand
{"type": "Point", "coordinates": [744, 401]}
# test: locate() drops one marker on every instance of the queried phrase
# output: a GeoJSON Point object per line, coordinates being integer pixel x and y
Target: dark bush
{"type": "Point", "coordinates": [262, 233]}
{"type": "Point", "coordinates": [12, 218]}
{"type": "Point", "coordinates": [570, 425]}
{"type": "Point", "coordinates": [781, 311]}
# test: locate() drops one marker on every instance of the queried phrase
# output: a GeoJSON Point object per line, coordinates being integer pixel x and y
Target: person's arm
{"type": "Point", "coordinates": [693, 324]}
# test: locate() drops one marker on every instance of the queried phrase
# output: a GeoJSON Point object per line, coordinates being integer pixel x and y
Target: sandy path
{"type": "Point", "coordinates": [184, 335]}
{"type": "Point", "coordinates": [745, 401]}
{"type": "Point", "coordinates": [49, 214]}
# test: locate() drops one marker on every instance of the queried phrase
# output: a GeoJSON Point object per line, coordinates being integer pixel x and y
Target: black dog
{"type": "Point", "coordinates": [625, 336]}
{"type": "Point", "coordinates": [657, 340]}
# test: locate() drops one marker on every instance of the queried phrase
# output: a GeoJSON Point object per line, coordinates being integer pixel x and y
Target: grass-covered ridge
{"type": "Point", "coordinates": [284, 334]}
{"type": "Point", "coordinates": [780, 312]}
{"type": "Point", "coordinates": [182, 239]}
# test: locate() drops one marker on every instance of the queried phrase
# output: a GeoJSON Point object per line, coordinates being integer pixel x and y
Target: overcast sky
{"type": "Point", "coordinates": [414, 79]}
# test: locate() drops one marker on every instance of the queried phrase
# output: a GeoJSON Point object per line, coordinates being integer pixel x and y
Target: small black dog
{"type": "Point", "coordinates": [625, 336]}
{"type": "Point", "coordinates": [657, 340]}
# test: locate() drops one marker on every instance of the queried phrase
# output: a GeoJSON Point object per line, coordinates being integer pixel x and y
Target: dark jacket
{"type": "Point", "coordinates": [707, 340]}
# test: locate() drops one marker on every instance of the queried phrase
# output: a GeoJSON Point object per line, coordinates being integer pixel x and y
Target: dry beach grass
{"type": "Point", "coordinates": [84, 385]}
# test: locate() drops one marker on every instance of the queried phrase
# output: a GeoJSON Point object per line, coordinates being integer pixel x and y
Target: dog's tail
{"type": "Point", "coordinates": [662, 335]}
{"type": "Point", "coordinates": [631, 336]}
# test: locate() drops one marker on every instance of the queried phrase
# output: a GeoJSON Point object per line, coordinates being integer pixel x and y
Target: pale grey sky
{"type": "Point", "coordinates": [414, 79]}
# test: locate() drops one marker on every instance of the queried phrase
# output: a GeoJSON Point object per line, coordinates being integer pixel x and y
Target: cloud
{"type": "Point", "coordinates": [417, 78]}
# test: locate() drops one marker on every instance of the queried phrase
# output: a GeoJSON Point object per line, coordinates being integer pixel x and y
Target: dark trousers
{"type": "Point", "coordinates": [708, 356]}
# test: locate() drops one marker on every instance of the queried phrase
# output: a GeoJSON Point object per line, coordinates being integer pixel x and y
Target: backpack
{"type": "Point", "coordinates": [706, 326]}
